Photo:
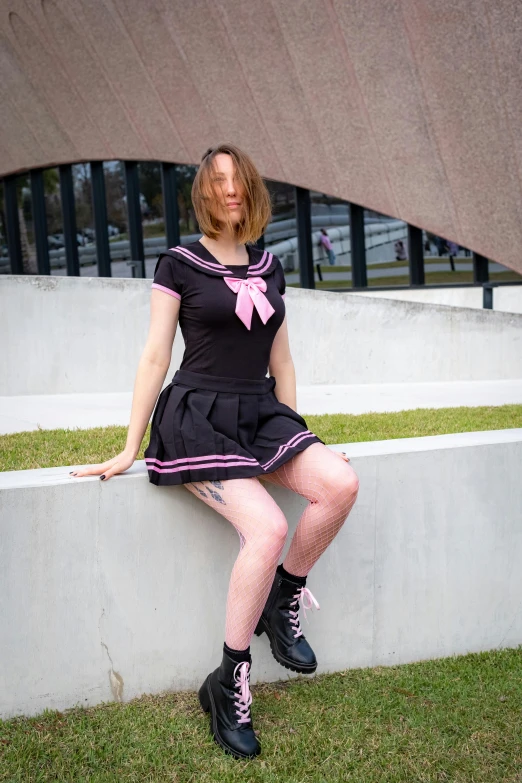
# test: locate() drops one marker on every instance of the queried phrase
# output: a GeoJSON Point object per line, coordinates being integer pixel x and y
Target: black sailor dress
{"type": "Point", "coordinates": [219, 417]}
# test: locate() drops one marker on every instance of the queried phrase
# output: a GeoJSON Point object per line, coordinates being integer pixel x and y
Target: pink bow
{"type": "Point", "coordinates": [249, 293]}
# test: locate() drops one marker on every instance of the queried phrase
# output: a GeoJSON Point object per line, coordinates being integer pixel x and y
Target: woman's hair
{"type": "Point", "coordinates": [257, 208]}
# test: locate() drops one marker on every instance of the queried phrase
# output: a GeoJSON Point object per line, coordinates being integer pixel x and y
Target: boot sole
{"type": "Point", "coordinates": [206, 700]}
{"type": "Point", "coordinates": [263, 627]}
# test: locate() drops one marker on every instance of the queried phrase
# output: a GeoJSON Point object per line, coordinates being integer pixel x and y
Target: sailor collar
{"type": "Point", "coordinates": [195, 255]}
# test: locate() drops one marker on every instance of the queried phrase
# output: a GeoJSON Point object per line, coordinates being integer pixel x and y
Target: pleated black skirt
{"type": "Point", "coordinates": [208, 428]}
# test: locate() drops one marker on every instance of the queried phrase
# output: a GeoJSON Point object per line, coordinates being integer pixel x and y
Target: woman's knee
{"type": "Point", "coordinates": [343, 484]}
{"type": "Point", "coordinates": [274, 530]}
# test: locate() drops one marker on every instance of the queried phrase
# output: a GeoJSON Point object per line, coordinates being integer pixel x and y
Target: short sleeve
{"type": "Point", "coordinates": [168, 276]}
{"type": "Point", "coordinates": [280, 279]}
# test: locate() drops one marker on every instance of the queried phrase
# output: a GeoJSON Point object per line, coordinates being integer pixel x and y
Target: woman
{"type": "Point", "coordinates": [326, 243]}
{"type": "Point", "coordinates": [221, 425]}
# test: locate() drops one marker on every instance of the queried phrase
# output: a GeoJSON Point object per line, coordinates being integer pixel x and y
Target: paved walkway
{"type": "Point", "coordinates": [395, 271]}
{"type": "Point", "coordinates": [82, 411]}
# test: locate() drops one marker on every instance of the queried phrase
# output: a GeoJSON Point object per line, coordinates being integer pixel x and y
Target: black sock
{"type": "Point", "coordinates": [300, 580]}
{"type": "Point", "coordinates": [237, 655]}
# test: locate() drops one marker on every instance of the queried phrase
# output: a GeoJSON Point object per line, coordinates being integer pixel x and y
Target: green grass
{"type": "Point", "coordinates": [390, 264]}
{"type": "Point", "coordinates": [433, 278]}
{"type": "Point", "coordinates": [429, 260]}
{"type": "Point", "coordinates": [54, 448]}
{"type": "Point", "coordinates": [345, 428]}
{"type": "Point", "coordinates": [451, 720]}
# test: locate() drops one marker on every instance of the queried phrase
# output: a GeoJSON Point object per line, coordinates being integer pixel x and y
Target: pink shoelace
{"type": "Point", "coordinates": [303, 595]}
{"type": "Point", "coordinates": [244, 697]}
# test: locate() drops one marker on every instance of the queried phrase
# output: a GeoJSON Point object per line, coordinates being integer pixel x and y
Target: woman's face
{"type": "Point", "coordinates": [228, 191]}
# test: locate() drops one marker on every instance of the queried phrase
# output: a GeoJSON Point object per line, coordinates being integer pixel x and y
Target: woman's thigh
{"type": "Point", "coordinates": [314, 472]}
{"type": "Point", "coordinates": [245, 503]}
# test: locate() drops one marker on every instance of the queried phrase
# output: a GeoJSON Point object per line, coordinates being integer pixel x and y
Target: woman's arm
{"type": "Point", "coordinates": [281, 366]}
{"type": "Point", "coordinates": [152, 369]}
{"type": "Point", "coordinates": [153, 365]}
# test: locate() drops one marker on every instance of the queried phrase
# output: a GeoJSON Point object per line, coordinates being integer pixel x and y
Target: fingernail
{"type": "Point", "coordinates": [102, 477]}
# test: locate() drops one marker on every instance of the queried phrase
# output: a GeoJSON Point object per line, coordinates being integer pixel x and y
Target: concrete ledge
{"type": "Point", "coordinates": [108, 591]}
{"type": "Point", "coordinates": [505, 297]}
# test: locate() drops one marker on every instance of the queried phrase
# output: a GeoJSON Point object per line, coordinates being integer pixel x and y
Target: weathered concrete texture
{"type": "Point", "coordinates": [427, 131]}
{"type": "Point", "coordinates": [69, 335]}
{"type": "Point", "coordinates": [102, 598]}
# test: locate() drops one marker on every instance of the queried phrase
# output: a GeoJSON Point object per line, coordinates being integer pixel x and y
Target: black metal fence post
{"type": "Point", "coordinates": [487, 296]}
{"type": "Point", "coordinates": [132, 189]}
{"type": "Point", "coordinates": [358, 247]}
{"type": "Point", "coordinates": [169, 184]}
{"type": "Point", "coordinates": [14, 245]}
{"type": "Point", "coordinates": [40, 222]}
{"type": "Point", "coordinates": [99, 208]}
{"type": "Point", "coordinates": [304, 237]}
{"type": "Point", "coordinates": [415, 255]}
{"type": "Point", "coordinates": [69, 220]}
{"type": "Point", "coordinates": [480, 269]}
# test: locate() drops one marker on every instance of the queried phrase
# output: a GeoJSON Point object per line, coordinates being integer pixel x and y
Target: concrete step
{"type": "Point", "coordinates": [83, 411]}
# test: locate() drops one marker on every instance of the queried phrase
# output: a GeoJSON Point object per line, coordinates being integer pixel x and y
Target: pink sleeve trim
{"type": "Point", "coordinates": [283, 296]}
{"type": "Point", "coordinates": [166, 290]}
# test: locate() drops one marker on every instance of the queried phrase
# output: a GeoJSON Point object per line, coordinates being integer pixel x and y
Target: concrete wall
{"type": "Point", "coordinates": [65, 334]}
{"type": "Point", "coordinates": [507, 299]}
{"type": "Point", "coordinates": [411, 109]}
{"type": "Point", "coordinates": [109, 591]}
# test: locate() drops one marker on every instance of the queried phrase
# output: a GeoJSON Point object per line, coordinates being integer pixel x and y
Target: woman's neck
{"type": "Point", "coordinates": [226, 248]}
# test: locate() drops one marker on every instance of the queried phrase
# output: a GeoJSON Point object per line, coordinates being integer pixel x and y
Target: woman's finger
{"type": "Point", "coordinates": [116, 468]}
{"type": "Point", "coordinates": [93, 470]}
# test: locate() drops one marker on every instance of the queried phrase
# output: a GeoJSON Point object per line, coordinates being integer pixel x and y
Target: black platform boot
{"type": "Point", "coordinates": [280, 622]}
{"type": "Point", "coordinates": [226, 695]}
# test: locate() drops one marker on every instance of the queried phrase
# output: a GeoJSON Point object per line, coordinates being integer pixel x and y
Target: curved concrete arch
{"type": "Point", "coordinates": [409, 108]}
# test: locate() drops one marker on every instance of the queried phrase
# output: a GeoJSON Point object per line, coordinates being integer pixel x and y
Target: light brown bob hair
{"type": "Point", "coordinates": [257, 207]}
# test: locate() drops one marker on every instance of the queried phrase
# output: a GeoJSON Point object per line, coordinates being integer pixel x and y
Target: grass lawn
{"type": "Point", "coordinates": [54, 448]}
{"type": "Point", "coordinates": [451, 720]}
{"type": "Point", "coordinates": [433, 278]}
{"type": "Point", "coordinates": [390, 264]}
{"type": "Point", "coordinates": [428, 260]}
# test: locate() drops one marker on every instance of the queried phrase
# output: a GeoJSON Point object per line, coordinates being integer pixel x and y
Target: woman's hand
{"type": "Point", "coordinates": [342, 455]}
{"type": "Point", "coordinates": [107, 469]}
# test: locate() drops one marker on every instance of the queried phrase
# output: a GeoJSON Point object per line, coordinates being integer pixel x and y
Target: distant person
{"type": "Point", "coordinates": [453, 250]}
{"type": "Point", "coordinates": [326, 242]}
{"type": "Point", "coordinates": [400, 251]}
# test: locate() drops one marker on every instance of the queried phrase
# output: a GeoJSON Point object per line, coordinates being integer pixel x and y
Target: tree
{"type": "Point", "coordinates": [150, 187]}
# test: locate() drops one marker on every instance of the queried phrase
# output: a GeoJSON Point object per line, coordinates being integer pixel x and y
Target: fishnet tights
{"type": "Point", "coordinates": [331, 486]}
{"type": "Point", "coordinates": [262, 530]}
{"type": "Point", "coordinates": [318, 474]}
